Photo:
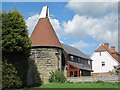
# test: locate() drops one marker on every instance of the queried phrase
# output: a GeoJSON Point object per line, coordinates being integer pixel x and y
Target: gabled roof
{"type": "Point", "coordinates": [43, 33]}
{"type": "Point", "coordinates": [74, 51]}
{"type": "Point", "coordinates": [101, 48]}
{"type": "Point", "coordinates": [111, 51]}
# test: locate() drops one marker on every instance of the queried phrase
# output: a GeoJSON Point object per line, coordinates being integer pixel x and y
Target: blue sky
{"type": "Point", "coordinates": [31, 8]}
{"type": "Point", "coordinates": [82, 25]}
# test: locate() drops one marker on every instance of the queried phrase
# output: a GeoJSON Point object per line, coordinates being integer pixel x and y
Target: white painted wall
{"type": "Point", "coordinates": [97, 62]}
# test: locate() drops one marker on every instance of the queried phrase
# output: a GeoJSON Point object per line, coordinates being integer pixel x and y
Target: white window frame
{"type": "Point", "coordinates": [88, 62]}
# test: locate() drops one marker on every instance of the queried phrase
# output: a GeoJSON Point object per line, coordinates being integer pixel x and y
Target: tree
{"type": "Point", "coordinates": [9, 75]}
{"type": "Point", "coordinates": [14, 33]}
{"type": "Point", "coordinates": [16, 44]}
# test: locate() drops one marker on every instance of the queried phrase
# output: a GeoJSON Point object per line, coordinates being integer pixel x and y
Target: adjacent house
{"type": "Point", "coordinates": [48, 54]}
{"type": "Point", "coordinates": [104, 58]}
{"type": "Point", "coordinates": [78, 63]}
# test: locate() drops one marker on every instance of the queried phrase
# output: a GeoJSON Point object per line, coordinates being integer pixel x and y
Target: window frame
{"type": "Point", "coordinates": [71, 58]}
{"type": "Point", "coordinates": [89, 62]}
{"type": "Point", "coordinates": [79, 60]}
{"type": "Point", "coordinates": [103, 63]}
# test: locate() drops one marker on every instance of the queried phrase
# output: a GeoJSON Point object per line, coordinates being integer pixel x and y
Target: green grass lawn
{"type": "Point", "coordinates": [77, 85]}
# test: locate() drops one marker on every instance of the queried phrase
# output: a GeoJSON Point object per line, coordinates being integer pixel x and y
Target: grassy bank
{"type": "Point", "coordinates": [77, 85]}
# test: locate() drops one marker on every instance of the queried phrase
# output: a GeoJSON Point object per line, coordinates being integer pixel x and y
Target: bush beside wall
{"type": "Point", "coordinates": [57, 76]}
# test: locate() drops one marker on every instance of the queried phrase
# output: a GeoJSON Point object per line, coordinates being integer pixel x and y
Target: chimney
{"type": "Point", "coordinates": [113, 52]}
{"type": "Point", "coordinates": [106, 45]}
{"type": "Point", "coordinates": [112, 49]}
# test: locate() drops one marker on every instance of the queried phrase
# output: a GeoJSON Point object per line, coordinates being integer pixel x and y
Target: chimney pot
{"type": "Point", "coordinates": [113, 47]}
{"type": "Point", "coordinates": [106, 45]}
{"type": "Point", "coordinates": [112, 50]}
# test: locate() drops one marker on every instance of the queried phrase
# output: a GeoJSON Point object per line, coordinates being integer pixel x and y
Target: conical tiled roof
{"type": "Point", "coordinates": [44, 34]}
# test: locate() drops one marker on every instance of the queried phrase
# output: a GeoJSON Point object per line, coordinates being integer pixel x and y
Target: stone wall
{"type": "Point", "coordinates": [45, 60]}
{"type": "Point", "coordinates": [109, 78]}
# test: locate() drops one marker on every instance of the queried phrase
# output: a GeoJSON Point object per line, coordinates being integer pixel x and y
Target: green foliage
{"type": "Point", "coordinates": [14, 33]}
{"type": "Point", "coordinates": [99, 81]}
{"type": "Point", "coordinates": [16, 44]}
{"type": "Point", "coordinates": [10, 77]}
{"type": "Point", "coordinates": [57, 76]}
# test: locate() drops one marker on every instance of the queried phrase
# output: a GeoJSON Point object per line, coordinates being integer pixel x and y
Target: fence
{"type": "Point", "coordinates": [110, 78]}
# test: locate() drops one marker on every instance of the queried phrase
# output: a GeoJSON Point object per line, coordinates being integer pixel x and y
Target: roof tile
{"type": "Point", "coordinates": [44, 34]}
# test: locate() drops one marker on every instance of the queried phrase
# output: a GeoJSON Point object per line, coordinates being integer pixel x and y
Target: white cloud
{"type": "Point", "coordinates": [98, 20]}
{"type": "Point", "coordinates": [80, 44]}
{"type": "Point", "coordinates": [83, 46]}
{"type": "Point", "coordinates": [58, 29]}
{"type": "Point", "coordinates": [31, 22]}
{"type": "Point", "coordinates": [102, 29]}
{"type": "Point", "coordinates": [93, 9]}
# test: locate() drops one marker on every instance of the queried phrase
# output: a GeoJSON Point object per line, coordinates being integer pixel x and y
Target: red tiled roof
{"type": "Point", "coordinates": [118, 53]}
{"type": "Point", "coordinates": [111, 51]}
{"type": "Point", "coordinates": [44, 34]}
{"type": "Point", "coordinates": [101, 48]}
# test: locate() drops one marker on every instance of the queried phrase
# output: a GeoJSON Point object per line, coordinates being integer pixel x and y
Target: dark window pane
{"type": "Point", "coordinates": [71, 67]}
{"type": "Point", "coordinates": [71, 74]}
{"type": "Point", "coordinates": [103, 63]}
{"type": "Point", "coordinates": [75, 73]}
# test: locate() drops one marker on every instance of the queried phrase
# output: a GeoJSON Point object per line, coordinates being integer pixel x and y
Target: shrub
{"type": "Point", "coordinates": [99, 81]}
{"type": "Point", "coordinates": [70, 82]}
{"type": "Point", "coordinates": [10, 79]}
{"type": "Point", "coordinates": [57, 76]}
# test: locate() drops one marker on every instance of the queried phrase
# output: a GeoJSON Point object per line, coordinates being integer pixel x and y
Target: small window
{"type": "Point", "coordinates": [71, 73]}
{"type": "Point", "coordinates": [58, 55]}
{"type": "Point", "coordinates": [88, 62]}
{"type": "Point", "coordinates": [79, 61]}
{"type": "Point", "coordinates": [71, 58]}
{"type": "Point", "coordinates": [103, 63]}
{"type": "Point", "coordinates": [100, 53]}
